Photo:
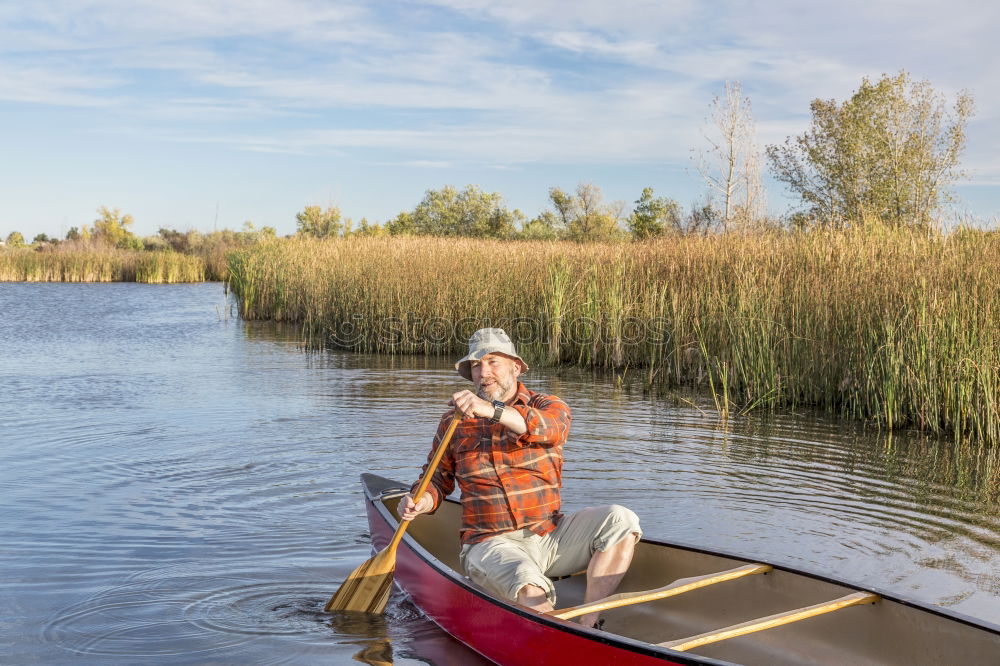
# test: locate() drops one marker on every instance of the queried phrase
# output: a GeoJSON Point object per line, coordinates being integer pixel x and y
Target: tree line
{"type": "Point", "coordinates": [580, 215]}
{"type": "Point", "coordinates": [112, 229]}
{"type": "Point", "coordinates": [888, 154]}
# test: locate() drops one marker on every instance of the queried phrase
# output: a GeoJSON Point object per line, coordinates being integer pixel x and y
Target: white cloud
{"type": "Point", "coordinates": [429, 164]}
{"type": "Point", "coordinates": [645, 17]}
{"type": "Point", "coordinates": [640, 52]}
{"type": "Point", "coordinates": [492, 145]}
{"type": "Point", "coordinates": [39, 85]}
{"type": "Point", "coordinates": [87, 24]}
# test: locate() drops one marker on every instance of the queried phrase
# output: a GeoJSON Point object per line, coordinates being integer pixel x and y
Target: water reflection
{"type": "Point", "coordinates": [372, 632]}
{"type": "Point", "coordinates": [376, 653]}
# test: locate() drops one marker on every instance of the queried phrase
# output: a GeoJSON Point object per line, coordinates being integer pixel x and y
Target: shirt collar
{"type": "Point", "coordinates": [522, 396]}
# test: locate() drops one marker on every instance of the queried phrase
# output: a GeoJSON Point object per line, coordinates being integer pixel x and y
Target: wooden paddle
{"type": "Point", "coordinates": [366, 590]}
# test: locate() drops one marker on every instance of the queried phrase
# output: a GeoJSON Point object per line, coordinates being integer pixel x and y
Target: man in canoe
{"type": "Point", "coordinates": [506, 456]}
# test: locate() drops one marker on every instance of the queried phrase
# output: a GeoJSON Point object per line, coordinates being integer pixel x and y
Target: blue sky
{"type": "Point", "coordinates": [207, 113]}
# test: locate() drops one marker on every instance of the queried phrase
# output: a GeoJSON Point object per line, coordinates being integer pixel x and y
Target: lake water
{"type": "Point", "coordinates": [180, 486]}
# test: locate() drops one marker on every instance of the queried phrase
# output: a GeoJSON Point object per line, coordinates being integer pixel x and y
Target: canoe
{"type": "Point", "coordinates": [690, 606]}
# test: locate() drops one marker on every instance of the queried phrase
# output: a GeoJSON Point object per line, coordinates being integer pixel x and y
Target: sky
{"type": "Point", "coordinates": [204, 114]}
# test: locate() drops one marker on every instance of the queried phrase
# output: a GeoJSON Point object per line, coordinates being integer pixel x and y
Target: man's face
{"type": "Point", "coordinates": [495, 377]}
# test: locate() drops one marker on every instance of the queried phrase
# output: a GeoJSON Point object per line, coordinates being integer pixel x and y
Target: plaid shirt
{"type": "Point", "coordinates": [508, 481]}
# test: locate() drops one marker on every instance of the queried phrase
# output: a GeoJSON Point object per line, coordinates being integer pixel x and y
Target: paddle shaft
{"type": "Point", "coordinates": [426, 480]}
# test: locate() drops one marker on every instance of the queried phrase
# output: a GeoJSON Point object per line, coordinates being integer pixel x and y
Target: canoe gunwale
{"type": "Point", "coordinates": [374, 485]}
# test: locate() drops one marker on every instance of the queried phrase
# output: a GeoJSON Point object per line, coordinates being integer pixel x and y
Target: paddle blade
{"type": "Point", "coordinates": [366, 590]}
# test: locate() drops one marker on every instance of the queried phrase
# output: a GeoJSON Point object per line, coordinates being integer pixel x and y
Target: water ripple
{"type": "Point", "coordinates": [185, 489]}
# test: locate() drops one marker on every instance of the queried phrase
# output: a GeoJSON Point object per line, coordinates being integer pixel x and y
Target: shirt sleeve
{"type": "Point", "coordinates": [443, 481]}
{"type": "Point", "coordinates": [548, 421]}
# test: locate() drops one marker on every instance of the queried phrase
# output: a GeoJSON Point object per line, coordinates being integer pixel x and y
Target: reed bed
{"type": "Point", "coordinates": [100, 265]}
{"type": "Point", "coordinates": [891, 327]}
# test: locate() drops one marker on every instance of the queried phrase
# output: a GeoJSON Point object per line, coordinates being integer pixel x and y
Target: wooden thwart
{"type": "Point", "coordinates": [679, 586]}
{"type": "Point", "coordinates": [771, 621]}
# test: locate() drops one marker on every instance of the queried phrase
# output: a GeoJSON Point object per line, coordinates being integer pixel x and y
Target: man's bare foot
{"type": "Point", "coordinates": [591, 621]}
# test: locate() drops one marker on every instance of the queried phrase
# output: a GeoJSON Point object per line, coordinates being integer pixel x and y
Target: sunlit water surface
{"type": "Point", "coordinates": [179, 486]}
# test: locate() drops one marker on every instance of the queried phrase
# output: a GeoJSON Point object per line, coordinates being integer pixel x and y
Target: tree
{"type": "Point", "coordinates": [731, 166]}
{"type": "Point", "coordinates": [449, 212]}
{"type": "Point", "coordinates": [365, 228]}
{"type": "Point", "coordinates": [546, 226]}
{"type": "Point", "coordinates": [585, 215]}
{"type": "Point", "coordinates": [702, 218]}
{"type": "Point", "coordinates": [653, 215]}
{"type": "Point", "coordinates": [251, 234]}
{"type": "Point", "coordinates": [319, 223]}
{"type": "Point", "coordinates": [112, 227]}
{"type": "Point", "coordinates": [15, 239]}
{"type": "Point", "coordinates": [180, 241]}
{"type": "Point", "coordinates": [401, 225]}
{"type": "Point", "coordinates": [889, 153]}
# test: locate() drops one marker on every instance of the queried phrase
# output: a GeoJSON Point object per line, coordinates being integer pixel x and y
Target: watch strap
{"type": "Point", "coordinates": [498, 408]}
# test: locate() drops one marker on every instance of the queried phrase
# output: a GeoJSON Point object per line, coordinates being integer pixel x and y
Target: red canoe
{"type": "Point", "coordinates": [685, 606]}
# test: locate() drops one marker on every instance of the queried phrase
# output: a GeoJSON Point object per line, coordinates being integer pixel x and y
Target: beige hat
{"type": "Point", "coordinates": [488, 341]}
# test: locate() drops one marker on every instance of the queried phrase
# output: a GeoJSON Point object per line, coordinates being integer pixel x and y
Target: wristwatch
{"type": "Point", "coordinates": [498, 411]}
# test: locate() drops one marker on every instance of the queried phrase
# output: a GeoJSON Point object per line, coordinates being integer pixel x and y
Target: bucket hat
{"type": "Point", "coordinates": [488, 341]}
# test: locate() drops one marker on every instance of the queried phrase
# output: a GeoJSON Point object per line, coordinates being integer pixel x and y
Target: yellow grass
{"type": "Point", "coordinates": [100, 265]}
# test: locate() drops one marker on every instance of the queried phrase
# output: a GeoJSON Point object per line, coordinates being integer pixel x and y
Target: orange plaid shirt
{"type": "Point", "coordinates": [508, 481]}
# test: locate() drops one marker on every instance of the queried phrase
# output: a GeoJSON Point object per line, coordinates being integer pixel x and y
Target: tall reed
{"type": "Point", "coordinates": [100, 265]}
{"type": "Point", "coordinates": [887, 326]}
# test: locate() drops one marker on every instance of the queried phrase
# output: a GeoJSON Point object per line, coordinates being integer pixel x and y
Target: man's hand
{"type": "Point", "coordinates": [471, 404]}
{"type": "Point", "coordinates": [408, 509]}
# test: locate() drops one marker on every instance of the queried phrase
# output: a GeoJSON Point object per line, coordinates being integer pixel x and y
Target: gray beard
{"type": "Point", "coordinates": [498, 392]}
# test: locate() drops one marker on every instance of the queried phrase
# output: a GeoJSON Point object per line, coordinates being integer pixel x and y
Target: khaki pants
{"type": "Point", "coordinates": [505, 563]}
